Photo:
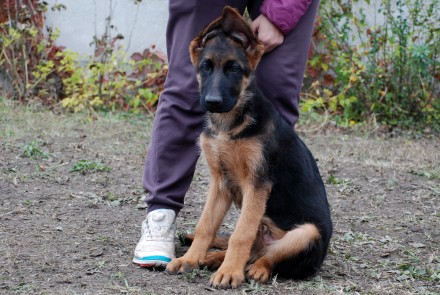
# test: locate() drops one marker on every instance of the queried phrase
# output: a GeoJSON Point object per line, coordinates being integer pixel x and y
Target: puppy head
{"type": "Point", "coordinates": [225, 54]}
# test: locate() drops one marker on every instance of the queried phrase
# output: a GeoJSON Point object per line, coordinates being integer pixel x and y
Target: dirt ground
{"type": "Point", "coordinates": [67, 232]}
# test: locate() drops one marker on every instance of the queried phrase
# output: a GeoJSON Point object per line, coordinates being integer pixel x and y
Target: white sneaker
{"type": "Point", "coordinates": [156, 246]}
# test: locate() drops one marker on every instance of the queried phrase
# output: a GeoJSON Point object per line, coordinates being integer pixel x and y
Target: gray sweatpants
{"type": "Point", "coordinates": [173, 153]}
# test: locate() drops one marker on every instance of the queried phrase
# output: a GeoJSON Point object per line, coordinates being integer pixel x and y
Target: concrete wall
{"type": "Point", "coordinates": [141, 24]}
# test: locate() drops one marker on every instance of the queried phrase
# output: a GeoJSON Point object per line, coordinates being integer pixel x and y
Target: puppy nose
{"type": "Point", "coordinates": [213, 100]}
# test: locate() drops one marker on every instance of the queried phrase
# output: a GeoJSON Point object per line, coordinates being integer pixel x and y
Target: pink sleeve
{"type": "Point", "coordinates": [284, 14]}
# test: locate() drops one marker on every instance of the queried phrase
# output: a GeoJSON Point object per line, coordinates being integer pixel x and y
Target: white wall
{"type": "Point", "coordinates": [141, 24]}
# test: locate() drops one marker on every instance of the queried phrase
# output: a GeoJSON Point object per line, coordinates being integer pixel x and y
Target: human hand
{"type": "Point", "coordinates": [267, 33]}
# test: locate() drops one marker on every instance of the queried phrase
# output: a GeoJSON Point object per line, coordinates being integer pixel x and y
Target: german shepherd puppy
{"type": "Point", "coordinates": [257, 162]}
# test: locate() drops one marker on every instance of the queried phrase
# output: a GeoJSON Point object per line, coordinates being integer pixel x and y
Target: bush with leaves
{"type": "Point", "coordinates": [385, 67]}
{"type": "Point", "coordinates": [28, 63]}
{"type": "Point", "coordinates": [116, 82]}
{"type": "Point", "coordinates": [33, 68]}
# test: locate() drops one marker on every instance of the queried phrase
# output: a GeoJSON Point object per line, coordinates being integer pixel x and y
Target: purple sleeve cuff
{"type": "Point", "coordinates": [284, 14]}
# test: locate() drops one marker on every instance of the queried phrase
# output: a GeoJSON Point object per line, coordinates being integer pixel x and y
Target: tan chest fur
{"type": "Point", "coordinates": [240, 158]}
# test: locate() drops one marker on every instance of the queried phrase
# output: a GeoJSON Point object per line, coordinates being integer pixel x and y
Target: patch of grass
{"type": "Point", "coordinates": [86, 166]}
{"type": "Point", "coordinates": [114, 200]}
{"type": "Point", "coordinates": [357, 237]}
{"type": "Point", "coordinates": [344, 185]}
{"type": "Point", "coordinates": [365, 218]}
{"type": "Point", "coordinates": [111, 197]}
{"type": "Point", "coordinates": [335, 180]}
{"type": "Point", "coordinates": [101, 264]}
{"type": "Point", "coordinates": [34, 150]}
{"type": "Point", "coordinates": [317, 283]}
{"type": "Point", "coordinates": [25, 288]}
{"type": "Point", "coordinates": [193, 275]}
{"type": "Point", "coordinates": [407, 271]}
{"type": "Point", "coordinates": [255, 287]}
{"type": "Point", "coordinates": [10, 170]}
{"type": "Point", "coordinates": [125, 288]}
{"type": "Point", "coordinates": [434, 274]}
{"type": "Point", "coordinates": [103, 239]}
{"type": "Point", "coordinates": [28, 203]}
{"type": "Point", "coordinates": [431, 175]}
{"type": "Point", "coordinates": [412, 268]}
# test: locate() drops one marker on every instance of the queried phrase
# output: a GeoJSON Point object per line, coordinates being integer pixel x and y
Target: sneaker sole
{"type": "Point", "coordinates": [151, 261]}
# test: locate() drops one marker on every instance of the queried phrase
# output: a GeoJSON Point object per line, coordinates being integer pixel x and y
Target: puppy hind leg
{"type": "Point", "coordinates": [214, 259]}
{"type": "Point", "coordinates": [220, 242]}
{"type": "Point", "coordinates": [293, 242]}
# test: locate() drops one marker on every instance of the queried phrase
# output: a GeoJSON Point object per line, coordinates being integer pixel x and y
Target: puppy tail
{"type": "Point", "coordinates": [308, 250]}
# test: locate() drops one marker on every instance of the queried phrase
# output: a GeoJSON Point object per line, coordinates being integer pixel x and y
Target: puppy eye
{"type": "Point", "coordinates": [205, 67]}
{"type": "Point", "coordinates": [234, 68]}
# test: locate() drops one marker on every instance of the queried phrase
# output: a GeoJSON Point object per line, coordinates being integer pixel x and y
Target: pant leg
{"type": "Point", "coordinates": [281, 71]}
{"type": "Point", "coordinates": [173, 153]}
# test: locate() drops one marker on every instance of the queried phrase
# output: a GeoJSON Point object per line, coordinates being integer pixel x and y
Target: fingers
{"type": "Point", "coordinates": [267, 33]}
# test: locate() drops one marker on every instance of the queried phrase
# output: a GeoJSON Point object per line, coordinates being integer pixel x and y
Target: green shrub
{"type": "Point", "coordinates": [117, 82]}
{"type": "Point", "coordinates": [23, 52]}
{"type": "Point", "coordinates": [33, 68]}
{"type": "Point", "coordinates": [385, 70]}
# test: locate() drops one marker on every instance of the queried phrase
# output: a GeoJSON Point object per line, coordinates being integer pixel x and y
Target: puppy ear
{"type": "Point", "coordinates": [232, 24]}
{"type": "Point", "coordinates": [197, 44]}
{"type": "Point", "coordinates": [237, 28]}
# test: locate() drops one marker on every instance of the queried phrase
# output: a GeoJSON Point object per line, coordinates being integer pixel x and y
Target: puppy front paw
{"type": "Point", "coordinates": [181, 265]}
{"type": "Point", "coordinates": [227, 277]}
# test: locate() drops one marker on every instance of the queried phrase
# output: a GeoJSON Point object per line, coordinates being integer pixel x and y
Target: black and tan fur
{"type": "Point", "coordinates": [257, 162]}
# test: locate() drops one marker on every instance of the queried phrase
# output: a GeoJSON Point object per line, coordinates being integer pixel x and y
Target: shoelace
{"type": "Point", "coordinates": [147, 234]}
